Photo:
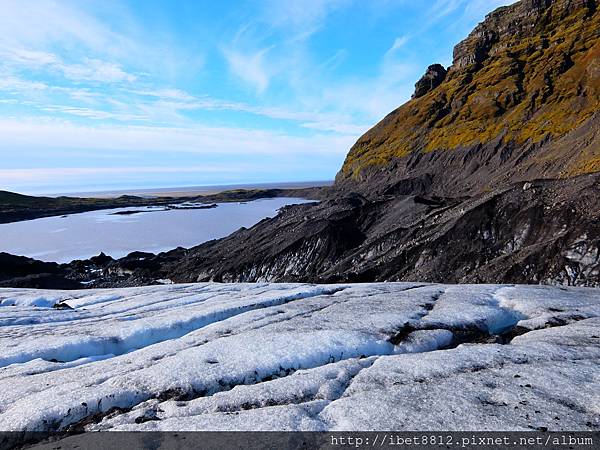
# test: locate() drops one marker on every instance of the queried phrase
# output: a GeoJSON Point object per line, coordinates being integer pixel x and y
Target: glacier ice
{"type": "Point", "coordinates": [375, 356]}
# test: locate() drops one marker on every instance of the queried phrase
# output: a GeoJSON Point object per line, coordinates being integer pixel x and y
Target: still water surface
{"type": "Point", "coordinates": [80, 236]}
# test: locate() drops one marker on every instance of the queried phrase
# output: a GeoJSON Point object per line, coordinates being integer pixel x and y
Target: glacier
{"type": "Point", "coordinates": [268, 356]}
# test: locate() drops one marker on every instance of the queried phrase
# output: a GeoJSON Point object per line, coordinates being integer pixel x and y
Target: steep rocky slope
{"type": "Point", "coordinates": [545, 231]}
{"type": "Point", "coordinates": [519, 102]}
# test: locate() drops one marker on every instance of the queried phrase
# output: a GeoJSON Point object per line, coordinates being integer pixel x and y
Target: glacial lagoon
{"type": "Point", "coordinates": [118, 232]}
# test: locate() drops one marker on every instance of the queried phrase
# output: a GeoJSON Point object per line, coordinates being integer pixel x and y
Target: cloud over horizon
{"type": "Point", "coordinates": [242, 92]}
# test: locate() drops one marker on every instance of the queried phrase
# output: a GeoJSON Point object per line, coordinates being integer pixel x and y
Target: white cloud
{"type": "Point", "coordinates": [80, 95]}
{"type": "Point", "coordinates": [28, 58]}
{"type": "Point", "coordinates": [63, 135]}
{"type": "Point", "coordinates": [89, 69]}
{"type": "Point", "coordinates": [69, 179]}
{"type": "Point", "coordinates": [293, 23]}
{"type": "Point", "coordinates": [300, 19]}
{"type": "Point", "coordinates": [95, 70]}
{"type": "Point", "coordinates": [16, 85]}
{"type": "Point", "coordinates": [249, 61]}
{"type": "Point", "coordinates": [337, 127]}
{"type": "Point", "coordinates": [36, 23]}
{"type": "Point", "coordinates": [164, 104]}
{"type": "Point", "coordinates": [334, 61]}
{"type": "Point", "coordinates": [10, 176]}
{"type": "Point", "coordinates": [165, 94]}
{"type": "Point", "coordinates": [249, 67]}
{"type": "Point", "coordinates": [93, 113]}
{"type": "Point", "coordinates": [399, 42]}
{"type": "Point", "coordinates": [369, 99]}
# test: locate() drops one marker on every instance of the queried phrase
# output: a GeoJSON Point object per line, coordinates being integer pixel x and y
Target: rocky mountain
{"type": "Point", "coordinates": [533, 232]}
{"type": "Point", "coordinates": [490, 173]}
{"type": "Point", "coordinates": [519, 102]}
{"type": "Point", "coordinates": [486, 175]}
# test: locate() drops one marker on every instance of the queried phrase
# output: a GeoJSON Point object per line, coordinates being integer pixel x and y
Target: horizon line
{"type": "Point", "coordinates": [190, 189]}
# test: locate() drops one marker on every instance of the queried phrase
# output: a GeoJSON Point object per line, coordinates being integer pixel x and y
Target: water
{"type": "Point", "coordinates": [80, 236]}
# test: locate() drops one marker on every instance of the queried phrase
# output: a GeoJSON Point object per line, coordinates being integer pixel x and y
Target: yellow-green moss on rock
{"type": "Point", "coordinates": [528, 74]}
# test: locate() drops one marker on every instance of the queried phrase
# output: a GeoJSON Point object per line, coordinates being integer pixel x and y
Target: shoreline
{"type": "Point", "coordinates": [17, 208]}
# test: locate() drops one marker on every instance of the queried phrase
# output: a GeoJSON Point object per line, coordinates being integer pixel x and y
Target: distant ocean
{"type": "Point", "coordinates": [194, 190]}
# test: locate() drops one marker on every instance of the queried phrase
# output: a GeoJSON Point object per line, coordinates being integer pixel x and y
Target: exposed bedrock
{"type": "Point", "coordinates": [433, 77]}
{"type": "Point", "coordinates": [540, 232]}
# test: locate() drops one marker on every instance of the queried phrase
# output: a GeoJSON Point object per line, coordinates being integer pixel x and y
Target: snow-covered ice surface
{"type": "Point", "coordinates": [381, 356]}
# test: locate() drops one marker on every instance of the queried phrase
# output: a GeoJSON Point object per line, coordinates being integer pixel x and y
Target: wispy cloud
{"type": "Point", "coordinates": [163, 104]}
{"type": "Point", "coordinates": [52, 134]}
{"type": "Point", "coordinates": [399, 42]}
{"type": "Point", "coordinates": [96, 70]}
{"type": "Point", "coordinates": [68, 179]}
{"type": "Point", "coordinates": [164, 94]}
{"type": "Point", "coordinates": [299, 19]}
{"type": "Point", "coordinates": [37, 23]}
{"type": "Point", "coordinates": [334, 61]}
{"type": "Point", "coordinates": [14, 84]}
{"type": "Point", "coordinates": [89, 69]}
{"type": "Point", "coordinates": [28, 58]}
{"type": "Point", "coordinates": [41, 174]}
{"type": "Point", "coordinates": [249, 67]}
{"type": "Point", "coordinates": [92, 113]}
{"type": "Point", "coordinates": [295, 79]}
{"type": "Point", "coordinates": [159, 156]}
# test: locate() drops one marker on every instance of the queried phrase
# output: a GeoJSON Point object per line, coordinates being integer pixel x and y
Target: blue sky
{"type": "Point", "coordinates": [103, 95]}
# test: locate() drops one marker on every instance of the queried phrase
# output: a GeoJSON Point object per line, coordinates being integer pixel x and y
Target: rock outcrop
{"type": "Point", "coordinates": [433, 77]}
{"type": "Point", "coordinates": [19, 271]}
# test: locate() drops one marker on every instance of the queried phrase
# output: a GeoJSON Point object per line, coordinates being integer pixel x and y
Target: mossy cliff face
{"type": "Point", "coordinates": [519, 102]}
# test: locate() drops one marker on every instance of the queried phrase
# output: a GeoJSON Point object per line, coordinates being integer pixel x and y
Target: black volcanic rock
{"type": "Point", "coordinates": [433, 77]}
{"type": "Point", "coordinates": [42, 281]}
{"type": "Point", "coordinates": [19, 271]}
{"type": "Point", "coordinates": [11, 266]}
{"type": "Point", "coordinates": [101, 259]}
{"type": "Point", "coordinates": [546, 233]}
